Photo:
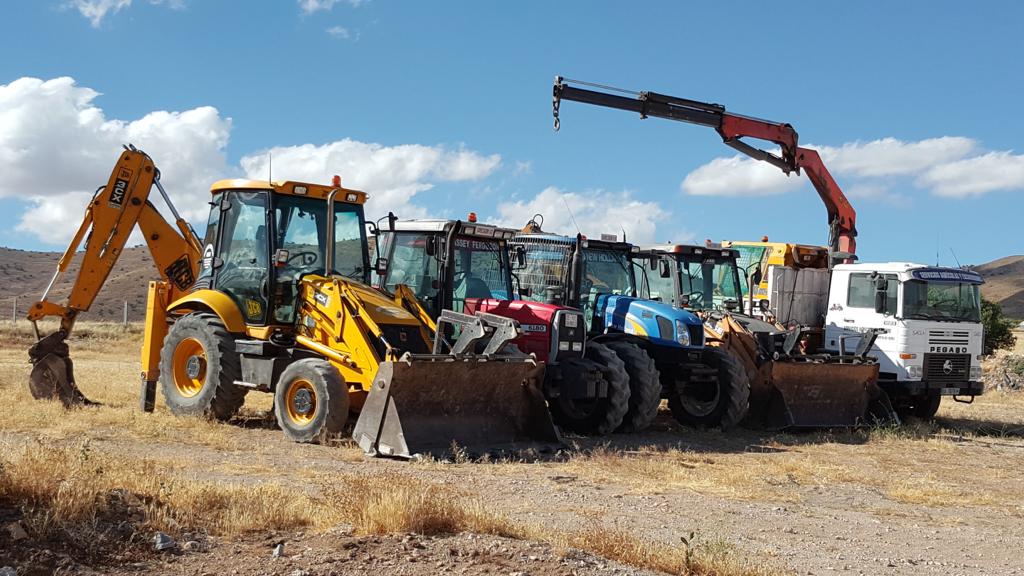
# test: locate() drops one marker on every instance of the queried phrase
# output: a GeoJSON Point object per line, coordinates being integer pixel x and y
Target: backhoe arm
{"type": "Point", "coordinates": [733, 128]}
{"type": "Point", "coordinates": [110, 218]}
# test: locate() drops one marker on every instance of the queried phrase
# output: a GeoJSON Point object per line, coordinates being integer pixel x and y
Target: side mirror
{"type": "Point", "coordinates": [755, 278]}
{"type": "Point", "coordinates": [663, 269]}
{"type": "Point", "coordinates": [652, 262]}
{"type": "Point", "coordinates": [431, 246]}
{"type": "Point", "coordinates": [381, 267]}
{"type": "Point", "coordinates": [881, 295]}
{"type": "Point", "coordinates": [763, 305]}
{"type": "Point", "coordinates": [519, 254]}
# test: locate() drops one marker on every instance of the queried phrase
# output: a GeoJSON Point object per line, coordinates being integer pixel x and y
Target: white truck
{"type": "Point", "coordinates": [932, 342]}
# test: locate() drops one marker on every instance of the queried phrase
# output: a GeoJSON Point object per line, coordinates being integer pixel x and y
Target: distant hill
{"type": "Point", "coordinates": [25, 274]}
{"type": "Point", "coordinates": [1004, 284]}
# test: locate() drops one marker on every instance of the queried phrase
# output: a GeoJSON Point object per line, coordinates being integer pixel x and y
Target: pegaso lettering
{"type": "Point", "coordinates": [948, 349]}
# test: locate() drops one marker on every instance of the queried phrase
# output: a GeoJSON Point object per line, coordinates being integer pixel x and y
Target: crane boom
{"type": "Point", "coordinates": [733, 128]}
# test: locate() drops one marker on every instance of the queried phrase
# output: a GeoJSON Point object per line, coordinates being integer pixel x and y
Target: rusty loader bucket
{"type": "Point", "coordinates": [809, 394]}
{"type": "Point", "coordinates": [437, 404]}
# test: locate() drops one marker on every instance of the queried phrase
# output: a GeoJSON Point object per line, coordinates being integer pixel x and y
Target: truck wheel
{"type": "Point", "coordinates": [596, 416]}
{"type": "Point", "coordinates": [644, 385]}
{"type": "Point", "coordinates": [721, 402]}
{"type": "Point", "coordinates": [198, 368]}
{"type": "Point", "coordinates": [311, 400]}
{"type": "Point", "coordinates": [922, 407]}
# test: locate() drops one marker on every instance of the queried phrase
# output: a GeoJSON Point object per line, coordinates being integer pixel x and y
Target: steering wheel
{"type": "Point", "coordinates": [696, 299]}
{"type": "Point", "coordinates": [306, 257]}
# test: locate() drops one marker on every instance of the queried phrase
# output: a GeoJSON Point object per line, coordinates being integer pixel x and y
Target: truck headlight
{"type": "Point", "coordinates": [914, 372]}
{"type": "Point", "coordinates": [975, 373]}
{"type": "Point", "coordinates": [682, 333]}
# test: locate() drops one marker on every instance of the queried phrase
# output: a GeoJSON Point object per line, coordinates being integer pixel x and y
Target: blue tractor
{"type": "Point", "coordinates": [661, 346]}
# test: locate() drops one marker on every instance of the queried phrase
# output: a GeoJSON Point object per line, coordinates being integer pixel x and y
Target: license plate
{"type": "Point", "coordinates": [949, 391]}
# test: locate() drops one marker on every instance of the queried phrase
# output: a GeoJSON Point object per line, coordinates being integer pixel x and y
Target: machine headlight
{"type": "Point", "coordinates": [572, 320]}
{"type": "Point", "coordinates": [577, 346]}
{"type": "Point", "coordinates": [563, 346]}
{"type": "Point", "coordinates": [682, 333]}
{"type": "Point", "coordinates": [975, 373]}
{"type": "Point", "coordinates": [914, 372]}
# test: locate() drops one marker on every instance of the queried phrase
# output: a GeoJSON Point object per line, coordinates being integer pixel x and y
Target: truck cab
{"type": "Point", "coordinates": [932, 320]}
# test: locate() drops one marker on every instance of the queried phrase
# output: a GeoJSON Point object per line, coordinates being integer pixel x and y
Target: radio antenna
{"type": "Point", "coordinates": [270, 167]}
{"type": "Point", "coordinates": [955, 259]}
{"type": "Point", "coordinates": [571, 217]}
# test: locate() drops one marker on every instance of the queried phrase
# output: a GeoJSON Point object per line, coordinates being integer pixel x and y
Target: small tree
{"type": "Point", "coordinates": [997, 328]}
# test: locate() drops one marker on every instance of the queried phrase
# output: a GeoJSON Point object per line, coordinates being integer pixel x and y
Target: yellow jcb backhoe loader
{"type": "Point", "coordinates": [276, 299]}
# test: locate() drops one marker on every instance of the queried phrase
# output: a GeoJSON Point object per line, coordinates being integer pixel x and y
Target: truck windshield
{"type": "Point", "coordinates": [481, 270]}
{"type": "Point", "coordinates": [607, 272]}
{"type": "Point", "coordinates": [951, 301]}
{"type": "Point", "coordinates": [709, 283]}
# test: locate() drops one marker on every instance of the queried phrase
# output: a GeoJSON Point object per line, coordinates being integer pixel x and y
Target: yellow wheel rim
{"type": "Point", "coordinates": [189, 364]}
{"type": "Point", "coordinates": [300, 401]}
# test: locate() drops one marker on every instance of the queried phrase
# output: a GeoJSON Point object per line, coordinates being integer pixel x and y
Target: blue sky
{"type": "Point", "coordinates": [442, 108]}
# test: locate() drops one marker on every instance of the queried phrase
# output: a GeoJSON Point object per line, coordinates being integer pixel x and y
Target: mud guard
{"type": "Point", "coordinates": [436, 405]}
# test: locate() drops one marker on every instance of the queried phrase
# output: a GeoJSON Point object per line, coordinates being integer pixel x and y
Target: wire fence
{"type": "Point", "coordinates": [15, 309]}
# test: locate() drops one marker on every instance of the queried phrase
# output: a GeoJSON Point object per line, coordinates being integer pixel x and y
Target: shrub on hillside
{"type": "Point", "coordinates": [997, 327]}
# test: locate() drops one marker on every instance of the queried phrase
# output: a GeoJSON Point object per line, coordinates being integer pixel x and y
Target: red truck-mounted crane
{"type": "Point", "coordinates": [842, 218]}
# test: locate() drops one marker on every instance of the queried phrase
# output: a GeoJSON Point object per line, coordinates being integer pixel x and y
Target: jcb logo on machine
{"type": "Point", "coordinates": [321, 298]}
{"type": "Point", "coordinates": [120, 188]}
{"type": "Point", "coordinates": [253, 308]}
{"type": "Point", "coordinates": [180, 272]}
{"type": "Point", "coordinates": [949, 349]}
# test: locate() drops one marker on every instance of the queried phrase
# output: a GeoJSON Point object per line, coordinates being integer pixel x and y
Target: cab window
{"type": "Point", "coordinates": [861, 293]}
{"type": "Point", "coordinates": [244, 254]}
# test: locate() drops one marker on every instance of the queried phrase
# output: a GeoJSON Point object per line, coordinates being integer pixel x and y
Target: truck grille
{"type": "Point", "coordinates": [948, 337]}
{"type": "Point", "coordinates": [696, 335]}
{"type": "Point", "coordinates": [947, 367]}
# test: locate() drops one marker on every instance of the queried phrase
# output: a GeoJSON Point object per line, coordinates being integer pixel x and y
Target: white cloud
{"type": "Point", "coordinates": [311, 6]}
{"type": "Point", "coordinates": [738, 176]}
{"type": "Point", "coordinates": [596, 212]}
{"type": "Point", "coordinates": [57, 147]}
{"type": "Point", "coordinates": [96, 10]}
{"type": "Point", "coordinates": [892, 157]}
{"type": "Point", "coordinates": [339, 32]}
{"type": "Point", "coordinates": [392, 175]}
{"type": "Point", "coordinates": [976, 176]}
{"type": "Point", "coordinates": [951, 166]}
{"type": "Point", "coordinates": [523, 167]}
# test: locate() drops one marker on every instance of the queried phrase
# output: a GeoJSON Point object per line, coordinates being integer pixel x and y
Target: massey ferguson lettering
{"type": "Point", "coordinates": [948, 349]}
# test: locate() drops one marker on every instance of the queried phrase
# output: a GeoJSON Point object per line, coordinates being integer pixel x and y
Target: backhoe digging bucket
{"type": "Point", "coordinates": [439, 404]}
{"type": "Point", "coordinates": [53, 374]}
{"type": "Point", "coordinates": [808, 394]}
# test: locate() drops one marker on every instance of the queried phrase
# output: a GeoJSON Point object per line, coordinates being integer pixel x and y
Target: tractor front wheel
{"type": "Point", "coordinates": [596, 415]}
{"type": "Point", "coordinates": [311, 401]}
{"type": "Point", "coordinates": [720, 401]}
{"type": "Point", "coordinates": [644, 385]}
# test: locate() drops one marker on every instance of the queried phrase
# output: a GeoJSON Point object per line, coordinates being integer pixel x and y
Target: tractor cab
{"type": "Point", "coordinates": [263, 237]}
{"type": "Point", "coordinates": [701, 278]}
{"type": "Point", "coordinates": [445, 263]}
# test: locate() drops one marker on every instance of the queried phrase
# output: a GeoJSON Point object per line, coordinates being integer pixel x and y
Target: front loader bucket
{"type": "Point", "coordinates": [434, 406]}
{"type": "Point", "coordinates": [53, 375]}
{"type": "Point", "coordinates": [825, 394]}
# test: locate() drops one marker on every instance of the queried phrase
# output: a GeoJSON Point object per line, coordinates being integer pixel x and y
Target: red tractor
{"type": "Point", "coordinates": [430, 266]}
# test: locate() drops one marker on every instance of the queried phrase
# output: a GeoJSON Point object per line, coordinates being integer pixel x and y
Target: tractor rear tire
{"type": "Point", "coordinates": [199, 367]}
{"type": "Point", "coordinates": [596, 416]}
{"type": "Point", "coordinates": [722, 406]}
{"type": "Point", "coordinates": [644, 385]}
{"type": "Point", "coordinates": [311, 401]}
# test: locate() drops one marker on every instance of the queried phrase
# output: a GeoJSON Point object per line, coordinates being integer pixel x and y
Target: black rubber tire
{"type": "Point", "coordinates": [921, 407]}
{"type": "Point", "coordinates": [330, 401]}
{"type": "Point", "coordinates": [733, 394]}
{"type": "Point", "coordinates": [596, 416]}
{"type": "Point", "coordinates": [218, 397]}
{"type": "Point", "coordinates": [644, 385]}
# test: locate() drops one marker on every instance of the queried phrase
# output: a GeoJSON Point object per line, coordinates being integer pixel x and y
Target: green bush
{"type": "Point", "coordinates": [997, 327]}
